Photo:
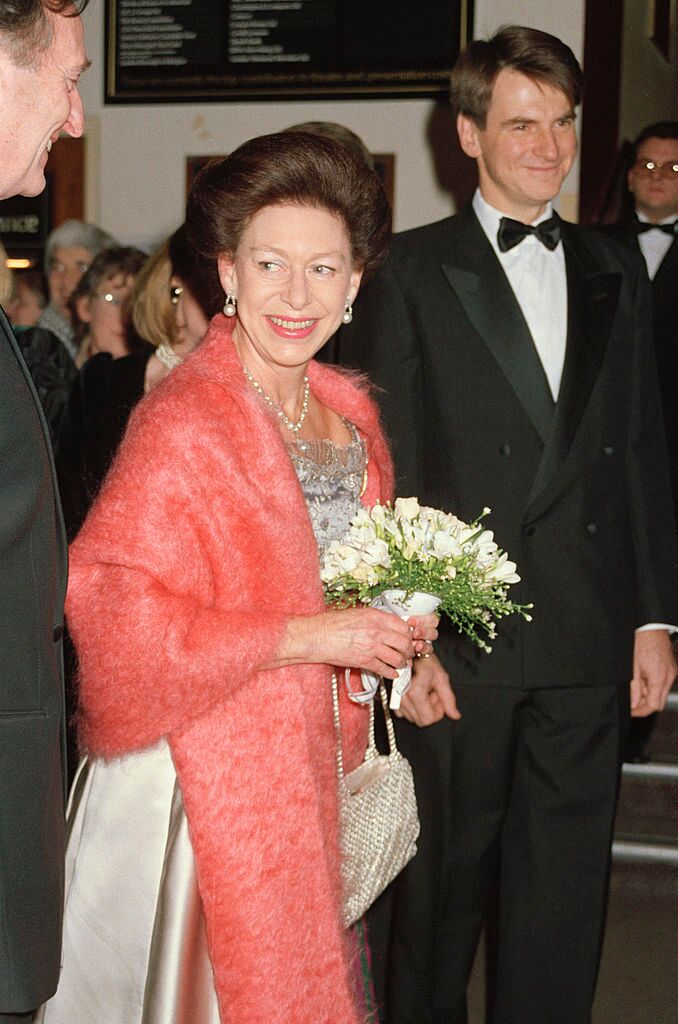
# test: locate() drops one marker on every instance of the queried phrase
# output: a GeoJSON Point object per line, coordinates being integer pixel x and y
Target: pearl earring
{"type": "Point", "coordinates": [230, 304]}
{"type": "Point", "coordinates": [348, 313]}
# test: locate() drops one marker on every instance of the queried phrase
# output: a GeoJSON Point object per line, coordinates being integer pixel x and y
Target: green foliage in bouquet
{"type": "Point", "coordinates": [413, 548]}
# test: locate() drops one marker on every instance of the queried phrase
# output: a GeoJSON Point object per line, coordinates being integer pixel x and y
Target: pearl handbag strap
{"type": "Point", "coordinates": [371, 751]}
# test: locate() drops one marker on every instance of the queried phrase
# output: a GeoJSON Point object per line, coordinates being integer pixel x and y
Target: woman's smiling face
{"type": "Point", "coordinates": [292, 275]}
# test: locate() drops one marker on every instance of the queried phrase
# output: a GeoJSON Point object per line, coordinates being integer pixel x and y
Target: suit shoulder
{"type": "Point", "coordinates": [609, 249]}
{"type": "Point", "coordinates": [428, 242]}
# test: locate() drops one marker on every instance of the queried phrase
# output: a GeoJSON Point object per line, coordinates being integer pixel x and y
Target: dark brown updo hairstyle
{"type": "Point", "coordinates": [295, 169]}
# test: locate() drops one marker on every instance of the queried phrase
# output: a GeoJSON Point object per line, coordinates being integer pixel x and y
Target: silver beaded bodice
{"type": "Point", "coordinates": [331, 477]}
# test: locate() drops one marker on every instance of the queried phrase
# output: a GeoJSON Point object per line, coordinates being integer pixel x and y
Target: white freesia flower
{"type": "Point", "coordinates": [376, 553]}
{"type": "Point", "coordinates": [406, 508]}
{"type": "Point", "coordinates": [504, 571]}
{"type": "Point", "coordinates": [378, 514]}
{"type": "Point", "coordinates": [445, 545]}
{"type": "Point", "coordinates": [365, 573]}
{"type": "Point", "coordinates": [339, 559]}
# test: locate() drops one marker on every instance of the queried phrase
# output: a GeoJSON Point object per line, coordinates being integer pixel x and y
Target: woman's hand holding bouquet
{"type": "Point", "coordinates": [411, 559]}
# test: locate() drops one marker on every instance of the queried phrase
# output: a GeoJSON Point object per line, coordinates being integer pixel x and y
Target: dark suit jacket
{"type": "Point", "coordinates": [32, 590]}
{"type": "Point", "coordinates": [665, 327]}
{"type": "Point", "coordinates": [579, 492]}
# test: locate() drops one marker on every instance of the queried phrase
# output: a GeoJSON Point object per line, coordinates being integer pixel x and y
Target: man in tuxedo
{"type": "Point", "coordinates": [652, 230]}
{"type": "Point", "coordinates": [514, 355]}
{"type": "Point", "coordinates": [41, 58]}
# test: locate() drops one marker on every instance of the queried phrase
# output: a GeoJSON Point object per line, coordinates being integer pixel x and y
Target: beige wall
{"type": "Point", "coordinates": [136, 154]}
{"type": "Point", "coordinates": [649, 82]}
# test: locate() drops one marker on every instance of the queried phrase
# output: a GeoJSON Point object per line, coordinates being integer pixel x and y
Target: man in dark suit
{"type": "Point", "coordinates": [652, 231]}
{"type": "Point", "coordinates": [514, 354]}
{"type": "Point", "coordinates": [41, 57]}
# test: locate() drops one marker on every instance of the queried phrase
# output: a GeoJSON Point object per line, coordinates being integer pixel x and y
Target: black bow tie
{"type": "Point", "coordinates": [668, 229]}
{"type": "Point", "coordinates": [511, 232]}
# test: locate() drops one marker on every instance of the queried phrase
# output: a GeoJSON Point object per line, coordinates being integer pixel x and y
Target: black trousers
{"type": "Point", "coordinates": [516, 799]}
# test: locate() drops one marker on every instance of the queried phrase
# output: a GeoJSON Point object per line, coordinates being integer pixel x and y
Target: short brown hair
{"type": "Point", "coordinates": [122, 260]}
{"type": "Point", "coordinates": [538, 55]}
{"type": "Point", "coordinates": [289, 168]}
{"type": "Point", "coordinates": [24, 29]}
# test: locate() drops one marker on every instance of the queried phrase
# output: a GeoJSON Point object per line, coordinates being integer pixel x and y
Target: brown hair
{"type": "Point", "coordinates": [153, 314]}
{"type": "Point", "coordinates": [122, 260]}
{"type": "Point", "coordinates": [660, 130]}
{"type": "Point", "coordinates": [340, 133]}
{"type": "Point", "coordinates": [289, 168]}
{"type": "Point", "coordinates": [24, 28]}
{"type": "Point", "coordinates": [538, 55]}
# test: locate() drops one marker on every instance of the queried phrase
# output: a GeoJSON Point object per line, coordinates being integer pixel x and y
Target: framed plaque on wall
{"type": "Point", "coordinates": [184, 50]}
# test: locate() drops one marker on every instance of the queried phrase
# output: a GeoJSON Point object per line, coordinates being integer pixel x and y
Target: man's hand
{"type": "Point", "coordinates": [430, 696]}
{"type": "Point", "coordinates": [654, 671]}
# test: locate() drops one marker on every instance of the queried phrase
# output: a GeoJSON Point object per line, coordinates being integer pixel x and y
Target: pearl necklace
{"type": "Point", "coordinates": [294, 427]}
{"type": "Point", "coordinates": [167, 355]}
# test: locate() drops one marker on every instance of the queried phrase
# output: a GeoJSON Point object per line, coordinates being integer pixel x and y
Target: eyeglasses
{"type": "Point", "coordinates": [59, 268]}
{"type": "Point", "coordinates": [113, 300]}
{"type": "Point", "coordinates": [661, 167]}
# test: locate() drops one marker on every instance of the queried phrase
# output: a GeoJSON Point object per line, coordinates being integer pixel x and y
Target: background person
{"type": "Point", "coordinates": [515, 356]}
{"type": "Point", "coordinates": [41, 58]}
{"type": "Point", "coordinates": [207, 610]}
{"type": "Point", "coordinates": [652, 229]}
{"type": "Point", "coordinates": [69, 251]}
{"type": "Point", "coordinates": [100, 304]}
{"type": "Point", "coordinates": [29, 298]}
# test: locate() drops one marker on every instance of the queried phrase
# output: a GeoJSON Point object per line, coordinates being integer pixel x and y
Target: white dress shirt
{"type": "Point", "coordinates": [654, 245]}
{"type": "Point", "coordinates": [539, 281]}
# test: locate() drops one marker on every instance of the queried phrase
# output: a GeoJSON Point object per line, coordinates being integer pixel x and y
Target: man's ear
{"type": "Point", "coordinates": [468, 135]}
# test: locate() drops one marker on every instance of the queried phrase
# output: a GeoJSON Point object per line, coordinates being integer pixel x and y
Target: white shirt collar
{"type": "Point", "coordinates": [489, 217]}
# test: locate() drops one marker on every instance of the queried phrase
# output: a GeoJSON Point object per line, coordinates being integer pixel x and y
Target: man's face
{"type": "Point", "coordinates": [68, 264]}
{"type": "Point", "coordinates": [36, 103]}
{"type": "Point", "coordinates": [527, 146]}
{"type": "Point", "coordinates": [655, 191]}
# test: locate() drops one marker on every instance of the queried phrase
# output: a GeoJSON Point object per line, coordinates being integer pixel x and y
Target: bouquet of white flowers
{"type": "Point", "coordinates": [393, 557]}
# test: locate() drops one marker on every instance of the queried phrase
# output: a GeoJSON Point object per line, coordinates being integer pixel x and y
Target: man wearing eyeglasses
{"type": "Point", "coordinates": [653, 228]}
{"type": "Point", "coordinates": [653, 180]}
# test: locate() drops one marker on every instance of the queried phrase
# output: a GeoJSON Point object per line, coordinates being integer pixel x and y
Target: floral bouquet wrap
{"type": "Point", "coordinates": [414, 560]}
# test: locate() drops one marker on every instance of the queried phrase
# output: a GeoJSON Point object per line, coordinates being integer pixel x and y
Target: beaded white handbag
{"type": "Point", "coordinates": [378, 818]}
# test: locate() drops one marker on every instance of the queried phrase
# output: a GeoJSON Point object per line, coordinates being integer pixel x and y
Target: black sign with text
{"type": "Point", "coordinates": [173, 50]}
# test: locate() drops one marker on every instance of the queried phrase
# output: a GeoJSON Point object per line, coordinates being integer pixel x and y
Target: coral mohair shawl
{"type": "Point", "coordinates": [195, 554]}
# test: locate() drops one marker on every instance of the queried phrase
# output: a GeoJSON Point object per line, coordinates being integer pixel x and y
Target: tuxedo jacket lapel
{"type": "Point", "coordinates": [592, 297]}
{"type": "Point", "coordinates": [664, 281]}
{"type": "Point", "coordinates": [477, 278]}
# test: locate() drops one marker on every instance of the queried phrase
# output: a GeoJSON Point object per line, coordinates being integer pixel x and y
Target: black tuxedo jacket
{"type": "Point", "coordinates": [665, 327]}
{"type": "Point", "coordinates": [578, 489]}
{"type": "Point", "coordinates": [32, 590]}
